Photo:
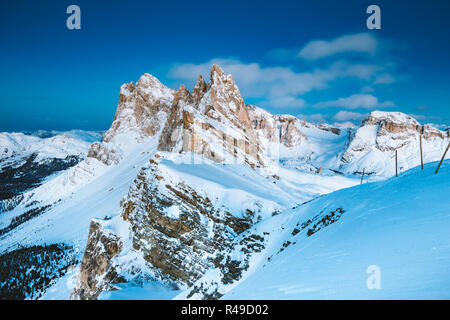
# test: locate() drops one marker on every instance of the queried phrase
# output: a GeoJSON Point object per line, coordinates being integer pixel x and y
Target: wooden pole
{"type": "Point", "coordinates": [421, 153]}
{"type": "Point", "coordinates": [443, 156]}
{"type": "Point", "coordinates": [396, 170]}
{"type": "Point", "coordinates": [362, 176]}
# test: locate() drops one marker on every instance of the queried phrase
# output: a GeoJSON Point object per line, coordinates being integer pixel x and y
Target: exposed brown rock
{"type": "Point", "coordinates": [138, 107]}
{"type": "Point", "coordinates": [221, 102]}
{"type": "Point", "coordinates": [165, 241]}
{"type": "Point", "coordinates": [282, 129]}
{"type": "Point", "coordinates": [200, 89]}
{"type": "Point", "coordinates": [97, 272]}
{"type": "Point", "coordinates": [104, 153]}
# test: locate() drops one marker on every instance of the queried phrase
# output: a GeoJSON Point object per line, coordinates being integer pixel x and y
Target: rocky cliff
{"type": "Point", "coordinates": [212, 121]}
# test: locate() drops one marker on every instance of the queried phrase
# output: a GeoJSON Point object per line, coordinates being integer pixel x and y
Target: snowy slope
{"type": "Point", "coordinates": [229, 189]}
{"type": "Point", "coordinates": [390, 224]}
{"type": "Point", "coordinates": [370, 147]}
{"type": "Point", "coordinates": [55, 144]}
{"type": "Point", "coordinates": [88, 190]}
{"type": "Point", "coordinates": [93, 190]}
{"type": "Point", "coordinates": [29, 160]}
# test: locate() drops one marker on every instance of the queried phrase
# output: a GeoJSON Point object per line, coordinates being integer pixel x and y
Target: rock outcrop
{"type": "Point", "coordinates": [104, 152]}
{"type": "Point", "coordinates": [212, 121]}
{"type": "Point", "coordinates": [282, 129]}
{"type": "Point", "coordinates": [141, 113]}
{"type": "Point", "coordinates": [374, 143]}
{"type": "Point", "coordinates": [142, 108]}
{"type": "Point", "coordinates": [173, 223]}
{"type": "Point", "coordinates": [97, 272]}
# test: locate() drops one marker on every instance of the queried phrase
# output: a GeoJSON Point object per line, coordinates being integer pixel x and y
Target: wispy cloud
{"type": "Point", "coordinates": [343, 117]}
{"type": "Point", "coordinates": [315, 117]}
{"type": "Point", "coordinates": [425, 118]}
{"type": "Point", "coordinates": [361, 42]}
{"type": "Point", "coordinates": [349, 116]}
{"type": "Point", "coordinates": [365, 101]}
{"type": "Point", "coordinates": [422, 108]}
{"type": "Point", "coordinates": [293, 73]}
{"type": "Point", "coordinates": [275, 86]}
{"type": "Point", "coordinates": [384, 78]}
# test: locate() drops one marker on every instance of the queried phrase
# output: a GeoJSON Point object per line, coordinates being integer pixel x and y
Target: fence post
{"type": "Point", "coordinates": [362, 176]}
{"type": "Point", "coordinates": [443, 157]}
{"type": "Point", "coordinates": [396, 170]}
{"type": "Point", "coordinates": [421, 153]}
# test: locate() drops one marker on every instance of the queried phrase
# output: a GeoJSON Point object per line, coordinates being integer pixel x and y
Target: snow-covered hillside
{"type": "Point", "coordinates": [29, 160]}
{"type": "Point", "coordinates": [47, 144]}
{"type": "Point", "coordinates": [373, 145]}
{"type": "Point", "coordinates": [399, 225]}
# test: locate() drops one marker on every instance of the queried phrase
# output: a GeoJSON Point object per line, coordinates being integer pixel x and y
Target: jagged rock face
{"type": "Point", "coordinates": [176, 121]}
{"type": "Point", "coordinates": [178, 230]}
{"type": "Point", "coordinates": [142, 108]}
{"type": "Point", "coordinates": [386, 132]}
{"type": "Point", "coordinates": [430, 132]}
{"type": "Point", "coordinates": [199, 90]}
{"type": "Point", "coordinates": [142, 112]}
{"type": "Point", "coordinates": [392, 122]}
{"type": "Point", "coordinates": [397, 122]}
{"type": "Point", "coordinates": [104, 152]}
{"type": "Point", "coordinates": [97, 272]}
{"type": "Point", "coordinates": [227, 99]}
{"type": "Point", "coordinates": [283, 129]}
{"type": "Point", "coordinates": [402, 126]}
{"type": "Point", "coordinates": [212, 121]}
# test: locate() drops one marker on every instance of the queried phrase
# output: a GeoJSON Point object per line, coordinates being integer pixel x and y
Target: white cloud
{"type": "Point", "coordinates": [315, 117]}
{"type": "Point", "coordinates": [361, 42]}
{"type": "Point", "coordinates": [422, 108]}
{"type": "Point", "coordinates": [384, 78]}
{"type": "Point", "coordinates": [367, 89]}
{"type": "Point", "coordinates": [366, 101]}
{"type": "Point", "coordinates": [349, 116]}
{"type": "Point", "coordinates": [284, 102]}
{"type": "Point", "coordinates": [421, 117]}
{"type": "Point", "coordinates": [275, 86]}
{"type": "Point", "coordinates": [345, 124]}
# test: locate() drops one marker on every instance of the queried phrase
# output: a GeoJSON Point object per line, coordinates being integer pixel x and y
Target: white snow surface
{"type": "Point", "coordinates": [400, 225]}
{"type": "Point", "coordinates": [59, 145]}
{"type": "Point", "coordinates": [93, 190]}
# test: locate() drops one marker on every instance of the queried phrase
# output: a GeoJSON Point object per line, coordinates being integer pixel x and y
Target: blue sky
{"type": "Point", "coordinates": [317, 60]}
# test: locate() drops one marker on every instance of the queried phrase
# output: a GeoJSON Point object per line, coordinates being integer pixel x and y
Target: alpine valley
{"type": "Point", "coordinates": [197, 195]}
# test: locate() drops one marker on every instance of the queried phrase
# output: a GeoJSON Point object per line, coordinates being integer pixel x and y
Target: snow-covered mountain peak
{"type": "Point", "coordinates": [199, 89]}
{"type": "Point", "coordinates": [212, 122]}
{"type": "Point", "coordinates": [377, 117]}
{"type": "Point", "coordinates": [226, 97]}
{"type": "Point", "coordinates": [142, 109]}
{"type": "Point", "coordinates": [150, 85]}
{"type": "Point", "coordinates": [373, 144]}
